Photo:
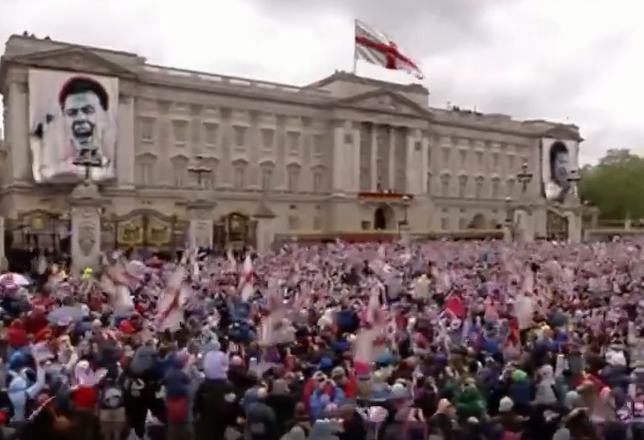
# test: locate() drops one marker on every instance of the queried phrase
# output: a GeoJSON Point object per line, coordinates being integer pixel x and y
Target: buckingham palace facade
{"type": "Point", "coordinates": [345, 153]}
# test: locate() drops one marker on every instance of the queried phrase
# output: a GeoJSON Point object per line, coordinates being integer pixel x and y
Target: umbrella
{"type": "Point", "coordinates": [66, 315]}
{"type": "Point", "coordinates": [14, 279]}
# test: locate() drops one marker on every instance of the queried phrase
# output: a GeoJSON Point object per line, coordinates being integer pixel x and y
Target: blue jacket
{"type": "Point", "coordinates": [319, 400]}
{"type": "Point", "coordinates": [521, 392]}
{"type": "Point", "coordinates": [177, 383]}
{"type": "Point", "coordinates": [20, 392]}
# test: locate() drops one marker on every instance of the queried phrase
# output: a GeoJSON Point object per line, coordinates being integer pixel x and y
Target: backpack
{"type": "Point", "coordinates": [176, 409]}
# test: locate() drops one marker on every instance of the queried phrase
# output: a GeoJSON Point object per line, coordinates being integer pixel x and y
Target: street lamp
{"type": "Point", "coordinates": [508, 211]}
{"type": "Point", "coordinates": [405, 220]}
{"type": "Point", "coordinates": [573, 179]}
{"type": "Point", "coordinates": [524, 178]}
{"type": "Point", "coordinates": [88, 157]}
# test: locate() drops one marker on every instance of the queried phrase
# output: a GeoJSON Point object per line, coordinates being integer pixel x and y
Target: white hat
{"type": "Point", "coordinates": [506, 404]}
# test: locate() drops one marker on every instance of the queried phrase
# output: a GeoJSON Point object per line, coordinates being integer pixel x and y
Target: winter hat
{"type": "Point", "coordinates": [338, 373]}
{"type": "Point", "coordinates": [280, 387]}
{"type": "Point", "coordinates": [562, 434]}
{"type": "Point", "coordinates": [144, 359]}
{"type": "Point", "coordinates": [236, 361]}
{"type": "Point", "coordinates": [573, 400]}
{"type": "Point", "coordinates": [506, 404]}
{"type": "Point", "coordinates": [399, 391]}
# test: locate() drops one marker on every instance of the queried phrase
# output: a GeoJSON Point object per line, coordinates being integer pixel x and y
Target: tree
{"type": "Point", "coordinates": [615, 185]}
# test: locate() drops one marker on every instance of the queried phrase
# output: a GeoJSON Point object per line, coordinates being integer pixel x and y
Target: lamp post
{"type": "Point", "coordinates": [524, 178]}
{"type": "Point", "coordinates": [574, 179]}
{"type": "Point", "coordinates": [508, 211]}
{"type": "Point", "coordinates": [405, 220]}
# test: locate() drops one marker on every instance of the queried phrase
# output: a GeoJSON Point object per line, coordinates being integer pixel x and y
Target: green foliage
{"type": "Point", "coordinates": [615, 185]}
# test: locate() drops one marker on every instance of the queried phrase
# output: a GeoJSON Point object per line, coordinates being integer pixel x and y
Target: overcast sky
{"type": "Point", "coordinates": [576, 60]}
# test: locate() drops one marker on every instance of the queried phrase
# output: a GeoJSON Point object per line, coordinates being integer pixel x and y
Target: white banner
{"type": "Point", "coordinates": [70, 112]}
{"type": "Point", "coordinates": [559, 159]}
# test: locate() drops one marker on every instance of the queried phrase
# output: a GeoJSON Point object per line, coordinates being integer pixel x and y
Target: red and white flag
{"type": "Point", "coordinates": [246, 288]}
{"type": "Point", "coordinates": [373, 46]}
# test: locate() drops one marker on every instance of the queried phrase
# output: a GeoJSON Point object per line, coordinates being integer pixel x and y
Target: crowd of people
{"type": "Point", "coordinates": [440, 340]}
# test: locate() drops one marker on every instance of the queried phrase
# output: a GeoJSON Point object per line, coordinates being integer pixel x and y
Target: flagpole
{"type": "Point", "coordinates": [355, 50]}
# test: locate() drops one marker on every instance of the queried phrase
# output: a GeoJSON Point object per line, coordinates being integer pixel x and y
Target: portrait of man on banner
{"type": "Point", "coordinates": [556, 182]}
{"type": "Point", "coordinates": [80, 121]}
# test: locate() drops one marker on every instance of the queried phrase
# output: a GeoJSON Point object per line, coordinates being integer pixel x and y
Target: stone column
{"type": "Point", "coordinates": [126, 138]}
{"type": "Point", "coordinates": [265, 228]}
{"type": "Point", "coordinates": [4, 264]}
{"type": "Point", "coordinates": [86, 203]}
{"type": "Point", "coordinates": [393, 164]}
{"type": "Point", "coordinates": [574, 226]}
{"type": "Point", "coordinates": [338, 177]}
{"type": "Point", "coordinates": [200, 230]}
{"type": "Point", "coordinates": [17, 129]}
{"type": "Point", "coordinates": [374, 157]}
{"type": "Point", "coordinates": [524, 224]}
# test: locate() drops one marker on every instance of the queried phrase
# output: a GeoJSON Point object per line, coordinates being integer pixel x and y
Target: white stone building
{"type": "Point", "coordinates": [202, 145]}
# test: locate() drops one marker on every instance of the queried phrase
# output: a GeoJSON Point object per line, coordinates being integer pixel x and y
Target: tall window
{"type": "Point", "coordinates": [267, 178]}
{"type": "Point", "coordinates": [180, 132]}
{"type": "Point", "coordinates": [462, 186]}
{"type": "Point", "coordinates": [445, 186]}
{"type": "Point", "coordinates": [180, 171]}
{"type": "Point", "coordinates": [147, 126]}
{"type": "Point", "coordinates": [293, 178]}
{"type": "Point", "coordinates": [318, 181]}
{"type": "Point", "coordinates": [240, 177]}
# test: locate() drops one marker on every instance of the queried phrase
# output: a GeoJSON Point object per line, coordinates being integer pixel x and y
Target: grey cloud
{"type": "Point", "coordinates": [427, 26]}
{"type": "Point", "coordinates": [551, 95]}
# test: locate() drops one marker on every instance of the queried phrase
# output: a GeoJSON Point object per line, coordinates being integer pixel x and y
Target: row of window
{"type": "Point", "coordinates": [448, 224]}
{"type": "Point", "coordinates": [494, 190]}
{"type": "Point", "coordinates": [208, 177]}
{"type": "Point", "coordinates": [208, 134]}
{"type": "Point", "coordinates": [466, 160]}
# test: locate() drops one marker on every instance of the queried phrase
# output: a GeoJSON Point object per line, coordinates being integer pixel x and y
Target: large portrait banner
{"type": "Point", "coordinates": [559, 159]}
{"type": "Point", "coordinates": [71, 114]}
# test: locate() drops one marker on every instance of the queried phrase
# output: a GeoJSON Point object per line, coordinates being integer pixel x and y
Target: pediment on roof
{"type": "Point", "coordinates": [563, 133]}
{"type": "Point", "coordinates": [384, 101]}
{"type": "Point", "coordinates": [76, 59]}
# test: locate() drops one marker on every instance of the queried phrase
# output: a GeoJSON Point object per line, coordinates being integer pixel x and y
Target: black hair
{"type": "Point", "coordinates": [83, 84]}
{"type": "Point", "coordinates": [555, 150]}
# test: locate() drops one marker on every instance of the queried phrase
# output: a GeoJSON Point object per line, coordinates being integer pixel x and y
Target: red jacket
{"type": "Point", "coordinates": [17, 335]}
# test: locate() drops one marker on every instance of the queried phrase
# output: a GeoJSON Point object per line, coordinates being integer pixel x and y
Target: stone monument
{"type": "Point", "coordinates": [524, 223]}
{"type": "Point", "coordinates": [574, 209]}
{"type": "Point", "coordinates": [86, 203]}
{"type": "Point", "coordinates": [200, 229]}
